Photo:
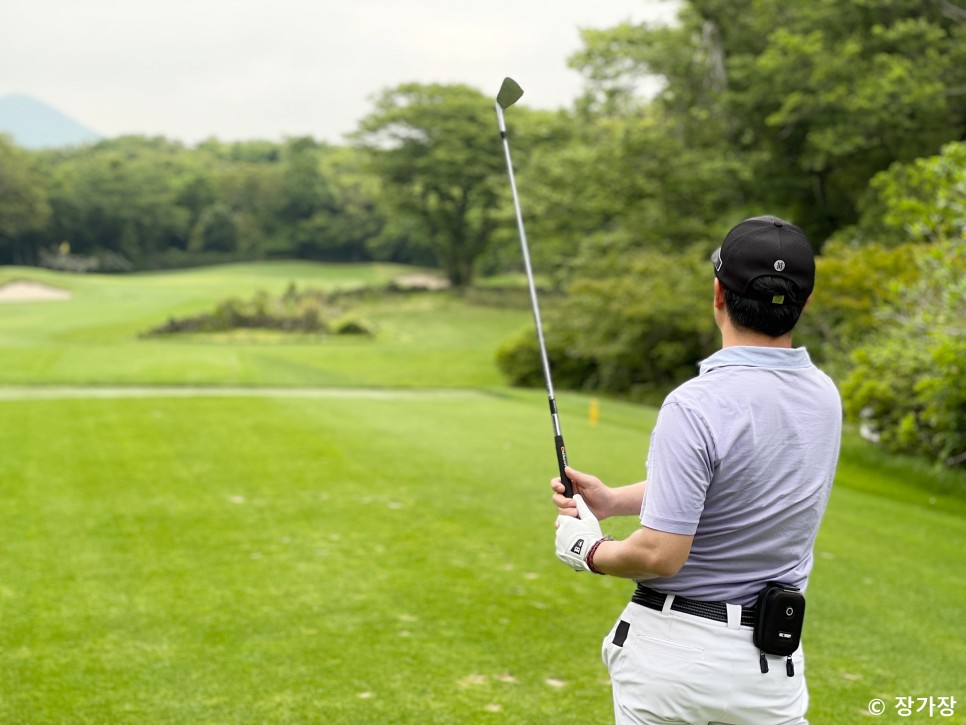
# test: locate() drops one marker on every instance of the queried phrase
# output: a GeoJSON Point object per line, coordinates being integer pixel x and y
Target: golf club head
{"type": "Point", "coordinates": [510, 93]}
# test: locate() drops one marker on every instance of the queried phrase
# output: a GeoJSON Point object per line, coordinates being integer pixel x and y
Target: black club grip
{"type": "Point", "coordinates": [562, 465]}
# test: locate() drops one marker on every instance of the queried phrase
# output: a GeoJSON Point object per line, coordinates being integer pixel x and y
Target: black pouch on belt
{"type": "Point", "coordinates": [778, 622]}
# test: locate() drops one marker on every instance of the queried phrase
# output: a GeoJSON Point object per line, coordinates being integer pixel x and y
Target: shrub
{"type": "Point", "coordinates": [635, 322]}
{"type": "Point", "coordinates": [353, 326]}
{"type": "Point", "coordinates": [924, 199]}
{"type": "Point", "coordinates": [291, 312]}
{"type": "Point", "coordinates": [906, 385]}
{"type": "Point", "coordinates": [853, 285]}
{"type": "Point", "coordinates": [518, 358]}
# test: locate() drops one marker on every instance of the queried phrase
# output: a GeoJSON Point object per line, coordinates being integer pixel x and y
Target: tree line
{"type": "Point", "coordinates": [847, 118]}
{"type": "Point", "coordinates": [152, 202]}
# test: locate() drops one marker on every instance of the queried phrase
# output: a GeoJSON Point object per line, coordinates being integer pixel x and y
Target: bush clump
{"type": "Point", "coordinates": [906, 386]}
{"type": "Point", "coordinates": [309, 312]}
{"type": "Point", "coordinates": [635, 322]}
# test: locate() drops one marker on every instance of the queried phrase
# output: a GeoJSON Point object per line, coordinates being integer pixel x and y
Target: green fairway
{"type": "Point", "coordinates": [370, 540]}
{"type": "Point", "coordinates": [342, 560]}
{"type": "Point", "coordinates": [94, 337]}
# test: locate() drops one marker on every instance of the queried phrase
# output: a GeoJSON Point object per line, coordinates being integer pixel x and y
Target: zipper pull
{"type": "Point", "coordinates": [763, 662]}
{"type": "Point", "coordinates": [789, 667]}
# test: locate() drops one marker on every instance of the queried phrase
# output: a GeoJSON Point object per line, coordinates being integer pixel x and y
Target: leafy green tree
{"type": "Point", "coordinates": [921, 200]}
{"type": "Point", "coordinates": [906, 382]}
{"type": "Point", "coordinates": [215, 231]}
{"type": "Point", "coordinates": [437, 153]}
{"type": "Point", "coordinates": [24, 206]}
{"type": "Point", "coordinates": [331, 211]}
{"type": "Point", "coordinates": [306, 190]}
{"type": "Point", "coordinates": [538, 139]}
{"type": "Point", "coordinates": [251, 152]}
{"type": "Point", "coordinates": [854, 284]}
{"type": "Point", "coordinates": [254, 193]}
{"type": "Point", "coordinates": [400, 239]}
{"type": "Point", "coordinates": [196, 193]}
{"type": "Point", "coordinates": [906, 385]}
{"type": "Point", "coordinates": [630, 183]}
{"type": "Point", "coordinates": [817, 97]}
{"type": "Point", "coordinates": [121, 196]}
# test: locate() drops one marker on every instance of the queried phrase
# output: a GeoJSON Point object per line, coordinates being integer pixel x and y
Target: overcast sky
{"type": "Point", "coordinates": [244, 69]}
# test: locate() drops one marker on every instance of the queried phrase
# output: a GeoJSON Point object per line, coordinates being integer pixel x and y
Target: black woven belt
{"type": "Point", "coordinates": [717, 611]}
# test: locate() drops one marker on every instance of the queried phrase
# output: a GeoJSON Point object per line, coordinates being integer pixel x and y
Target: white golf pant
{"type": "Point", "coordinates": [678, 668]}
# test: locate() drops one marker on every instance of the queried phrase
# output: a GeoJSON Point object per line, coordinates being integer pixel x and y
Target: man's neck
{"type": "Point", "coordinates": [734, 337]}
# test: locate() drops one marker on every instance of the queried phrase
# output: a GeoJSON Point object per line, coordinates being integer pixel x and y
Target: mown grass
{"type": "Point", "coordinates": [94, 338]}
{"type": "Point", "coordinates": [379, 559]}
{"type": "Point", "coordinates": [250, 560]}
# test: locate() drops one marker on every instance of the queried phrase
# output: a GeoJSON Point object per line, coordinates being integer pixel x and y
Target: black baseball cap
{"type": "Point", "coordinates": [765, 246]}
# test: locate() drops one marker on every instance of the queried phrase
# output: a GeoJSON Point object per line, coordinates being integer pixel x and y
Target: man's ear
{"type": "Point", "coordinates": [719, 300]}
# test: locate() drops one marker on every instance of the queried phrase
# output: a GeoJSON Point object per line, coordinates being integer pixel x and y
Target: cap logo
{"type": "Point", "coordinates": [779, 265]}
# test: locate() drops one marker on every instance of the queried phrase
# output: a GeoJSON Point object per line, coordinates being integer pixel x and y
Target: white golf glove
{"type": "Point", "coordinates": [575, 537]}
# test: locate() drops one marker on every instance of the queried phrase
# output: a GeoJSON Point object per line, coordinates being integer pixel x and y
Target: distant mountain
{"type": "Point", "coordinates": [35, 125]}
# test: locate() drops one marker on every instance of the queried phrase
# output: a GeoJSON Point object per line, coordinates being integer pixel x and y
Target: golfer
{"type": "Point", "coordinates": [739, 471]}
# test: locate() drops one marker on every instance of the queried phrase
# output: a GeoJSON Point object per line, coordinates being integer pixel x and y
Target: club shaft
{"type": "Point", "coordinates": [529, 269]}
{"type": "Point", "coordinates": [544, 359]}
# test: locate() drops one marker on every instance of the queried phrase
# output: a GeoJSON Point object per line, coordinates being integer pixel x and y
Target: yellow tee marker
{"type": "Point", "coordinates": [593, 412]}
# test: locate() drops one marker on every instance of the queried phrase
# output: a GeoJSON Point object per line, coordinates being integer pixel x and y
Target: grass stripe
{"type": "Point", "coordinates": [107, 392]}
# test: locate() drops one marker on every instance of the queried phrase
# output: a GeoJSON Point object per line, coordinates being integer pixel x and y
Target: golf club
{"type": "Point", "coordinates": [510, 93]}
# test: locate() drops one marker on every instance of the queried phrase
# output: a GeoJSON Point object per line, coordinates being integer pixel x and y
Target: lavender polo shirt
{"type": "Point", "coordinates": [743, 458]}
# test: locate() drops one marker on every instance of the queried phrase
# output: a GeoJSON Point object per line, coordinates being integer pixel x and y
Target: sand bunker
{"type": "Point", "coordinates": [23, 291]}
{"type": "Point", "coordinates": [421, 281]}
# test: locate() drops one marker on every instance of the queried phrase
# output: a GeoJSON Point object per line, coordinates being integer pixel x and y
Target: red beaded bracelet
{"type": "Point", "coordinates": [593, 550]}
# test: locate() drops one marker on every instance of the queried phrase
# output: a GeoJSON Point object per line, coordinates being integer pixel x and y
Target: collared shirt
{"type": "Point", "coordinates": [742, 457]}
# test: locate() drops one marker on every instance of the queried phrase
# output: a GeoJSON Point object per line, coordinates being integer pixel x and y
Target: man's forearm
{"type": "Point", "coordinates": [627, 500]}
{"type": "Point", "coordinates": [645, 554]}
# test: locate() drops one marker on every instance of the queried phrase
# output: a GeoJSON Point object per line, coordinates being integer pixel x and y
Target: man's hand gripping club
{"type": "Point", "coordinates": [577, 538]}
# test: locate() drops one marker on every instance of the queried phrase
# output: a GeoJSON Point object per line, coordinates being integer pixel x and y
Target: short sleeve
{"type": "Point", "coordinates": [680, 465]}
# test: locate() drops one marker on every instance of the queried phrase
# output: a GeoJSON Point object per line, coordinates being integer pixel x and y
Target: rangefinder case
{"type": "Point", "coordinates": [779, 619]}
